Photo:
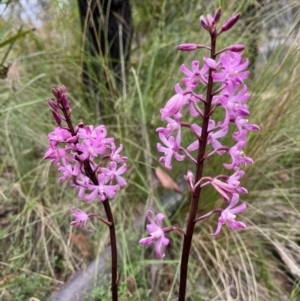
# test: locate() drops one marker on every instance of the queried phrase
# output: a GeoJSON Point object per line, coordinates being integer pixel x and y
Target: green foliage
{"type": "Point", "coordinates": [24, 287]}
{"type": "Point", "coordinates": [35, 236]}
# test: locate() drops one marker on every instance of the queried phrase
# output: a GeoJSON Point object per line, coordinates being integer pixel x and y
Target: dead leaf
{"type": "Point", "coordinates": [284, 177]}
{"type": "Point", "coordinates": [166, 180]}
{"type": "Point", "coordinates": [81, 242]}
{"type": "Point", "coordinates": [289, 254]}
{"type": "Point", "coordinates": [5, 279]}
{"type": "Point", "coordinates": [131, 285]}
{"type": "Point", "coordinates": [6, 296]}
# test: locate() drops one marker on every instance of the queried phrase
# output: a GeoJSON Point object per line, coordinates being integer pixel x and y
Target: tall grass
{"type": "Point", "coordinates": [37, 250]}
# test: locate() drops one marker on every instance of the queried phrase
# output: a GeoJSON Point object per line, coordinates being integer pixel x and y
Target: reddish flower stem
{"type": "Point", "coordinates": [112, 232]}
{"type": "Point", "coordinates": [114, 254]}
{"type": "Point", "coordinates": [199, 171]}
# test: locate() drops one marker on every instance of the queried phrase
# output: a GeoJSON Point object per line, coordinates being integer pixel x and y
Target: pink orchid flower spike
{"type": "Point", "coordinates": [156, 233]}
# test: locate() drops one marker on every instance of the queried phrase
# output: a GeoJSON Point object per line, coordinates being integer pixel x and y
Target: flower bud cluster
{"type": "Point", "coordinates": [84, 155]}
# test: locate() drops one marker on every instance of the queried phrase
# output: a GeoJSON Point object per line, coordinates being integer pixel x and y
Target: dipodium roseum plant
{"type": "Point", "coordinates": [90, 160]}
{"type": "Point", "coordinates": [222, 73]}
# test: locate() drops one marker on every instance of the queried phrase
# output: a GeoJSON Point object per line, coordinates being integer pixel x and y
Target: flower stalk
{"type": "Point", "coordinates": [80, 154]}
{"type": "Point", "coordinates": [187, 242]}
{"type": "Point", "coordinates": [222, 73]}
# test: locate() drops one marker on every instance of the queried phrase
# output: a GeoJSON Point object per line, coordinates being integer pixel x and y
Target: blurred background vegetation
{"type": "Point", "coordinates": [38, 249]}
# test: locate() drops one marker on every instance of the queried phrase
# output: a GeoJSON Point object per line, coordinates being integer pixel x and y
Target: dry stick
{"type": "Point", "coordinates": [196, 195]}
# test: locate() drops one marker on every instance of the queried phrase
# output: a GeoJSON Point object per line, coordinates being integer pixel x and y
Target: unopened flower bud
{"type": "Point", "coordinates": [72, 139]}
{"type": "Point", "coordinates": [57, 117]}
{"type": "Point", "coordinates": [228, 24]}
{"type": "Point", "coordinates": [65, 101]}
{"type": "Point", "coordinates": [80, 125]}
{"type": "Point", "coordinates": [207, 22]}
{"type": "Point", "coordinates": [236, 48]}
{"type": "Point", "coordinates": [190, 180]}
{"type": "Point", "coordinates": [58, 92]}
{"type": "Point", "coordinates": [187, 47]}
{"type": "Point", "coordinates": [217, 15]}
{"type": "Point", "coordinates": [210, 63]}
{"type": "Point", "coordinates": [53, 105]}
